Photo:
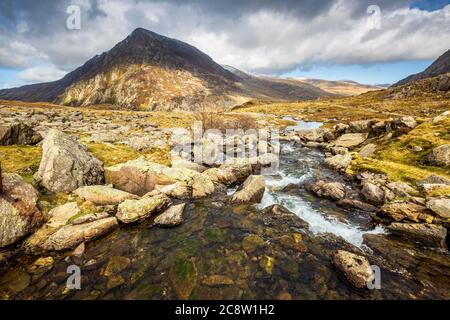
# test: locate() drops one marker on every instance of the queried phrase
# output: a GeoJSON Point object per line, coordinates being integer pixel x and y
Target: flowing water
{"type": "Point", "coordinates": [223, 251]}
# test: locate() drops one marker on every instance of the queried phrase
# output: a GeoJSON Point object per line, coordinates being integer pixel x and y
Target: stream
{"type": "Point", "coordinates": [225, 251]}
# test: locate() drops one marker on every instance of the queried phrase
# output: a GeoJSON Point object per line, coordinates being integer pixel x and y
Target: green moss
{"type": "Point", "coordinates": [23, 160]}
{"type": "Point", "coordinates": [214, 235]}
{"type": "Point", "coordinates": [111, 155]}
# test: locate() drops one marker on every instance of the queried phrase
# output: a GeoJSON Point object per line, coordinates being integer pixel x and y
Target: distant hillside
{"type": "Point", "coordinates": [438, 86]}
{"type": "Point", "coordinates": [343, 87]}
{"type": "Point", "coordinates": [152, 72]}
{"type": "Point", "coordinates": [440, 66]}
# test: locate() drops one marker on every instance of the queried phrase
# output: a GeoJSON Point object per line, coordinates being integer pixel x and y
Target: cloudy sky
{"type": "Point", "coordinates": [373, 41]}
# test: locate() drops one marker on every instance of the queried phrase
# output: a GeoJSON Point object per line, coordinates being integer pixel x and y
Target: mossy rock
{"type": "Point", "coordinates": [183, 276]}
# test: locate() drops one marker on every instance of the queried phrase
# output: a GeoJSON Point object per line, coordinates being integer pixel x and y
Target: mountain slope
{"type": "Point", "coordinates": [152, 72]}
{"type": "Point", "coordinates": [440, 66]}
{"type": "Point", "coordinates": [342, 87]}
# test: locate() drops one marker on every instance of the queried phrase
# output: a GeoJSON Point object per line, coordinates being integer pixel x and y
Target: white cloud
{"type": "Point", "coordinates": [40, 74]}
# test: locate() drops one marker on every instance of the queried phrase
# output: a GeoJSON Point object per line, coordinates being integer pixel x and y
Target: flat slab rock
{"type": "Point", "coordinates": [428, 234]}
{"type": "Point", "coordinates": [104, 195]}
{"type": "Point", "coordinates": [131, 211]}
{"type": "Point", "coordinates": [350, 140]}
{"type": "Point", "coordinates": [172, 217]}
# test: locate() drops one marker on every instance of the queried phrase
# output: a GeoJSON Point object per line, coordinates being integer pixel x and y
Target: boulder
{"type": "Point", "coordinates": [401, 189]}
{"type": "Point", "coordinates": [434, 179]}
{"type": "Point", "coordinates": [70, 236]}
{"type": "Point", "coordinates": [400, 211]}
{"type": "Point", "coordinates": [130, 179]}
{"type": "Point", "coordinates": [331, 190]}
{"type": "Point", "coordinates": [251, 191]}
{"type": "Point", "coordinates": [131, 211]}
{"type": "Point", "coordinates": [428, 234]}
{"type": "Point", "coordinates": [350, 140]}
{"type": "Point", "coordinates": [407, 123]}
{"type": "Point", "coordinates": [182, 163]}
{"type": "Point", "coordinates": [440, 156]}
{"type": "Point", "coordinates": [360, 126]}
{"type": "Point", "coordinates": [340, 128]}
{"type": "Point", "coordinates": [103, 195]}
{"type": "Point", "coordinates": [60, 215]}
{"type": "Point", "coordinates": [18, 134]}
{"type": "Point", "coordinates": [19, 212]}
{"type": "Point", "coordinates": [368, 150]}
{"type": "Point", "coordinates": [440, 206]}
{"type": "Point", "coordinates": [357, 204]}
{"type": "Point", "coordinates": [66, 164]}
{"type": "Point", "coordinates": [178, 190]}
{"type": "Point", "coordinates": [172, 217]}
{"type": "Point", "coordinates": [339, 162]}
{"type": "Point", "coordinates": [355, 268]}
{"type": "Point", "coordinates": [202, 186]}
{"type": "Point", "coordinates": [338, 150]}
{"type": "Point", "coordinates": [372, 193]}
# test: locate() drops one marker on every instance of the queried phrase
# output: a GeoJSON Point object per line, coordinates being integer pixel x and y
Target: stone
{"type": "Point", "coordinates": [350, 140]}
{"type": "Point", "coordinates": [355, 268]}
{"type": "Point", "coordinates": [331, 190]}
{"type": "Point", "coordinates": [251, 191]}
{"type": "Point", "coordinates": [60, 215]}
{"type": "Point", "coordinates": [130, 179]}
{"type": "Point", "coordinates": [401, 189]}
{"type": "Point", "coordinates": [202, 186]}
{"type": "Point", "coordinates": [85, 218]}
{"type": "Point", "coordinates": [70, 236]}
{"type": "Point", "coordinates": [440, 206]}
{"type": "Point", "coordinates": [368, 150]}
{"type": "Point", "coordinates": [116, 264]}
{"type": "Point", "coordinates": [182, 163]}
{"type": "Point", "coordinates": [217, 280]}
{"type": "Point", "coordinates": [66, 164]}
{"type": "Point", "coordinates": [252, 242]}
{"type": "Point", "coordinates": [400, 211]}
{"type": "Point", "coordinates": [79, 251]}
{"type": "Point", "coordinates": [340, 128]}
{"type": "Point", "coordinates": [183, 276]}
{"type": "Point", "coordinates": [178, 190]}
{"type": "Point", "coordinates": [428, 234]}
{"type": "Point", "coordinates": [338, 150]}
{"type": "Point", "coordinates": [172, 217]}
{"type": "Point", "coordinates": [372, 193]}
{"type": "Point", "coordinates": [41, 265]}
{"type": "Point", "coordinates": [357, 204]}
{"type": "Point", "coordinates": [440, 156]}
{"type": "Point", "coordinates": [434, 179]}
{"type": "Point", "coordinates": [339, 162]}
{"type": "Point", "coordinates": [19, 212]}
{"type": "Point", "coordinates": [408, 123]}
{"type": "Point", "coordinates": [103, 195]}
{"type": "Point", "coordinates": [18, 134]}
{"type": "Point", "coordinates": [131, 211]}
{"type": "Point", "coordinates": [360, 126]}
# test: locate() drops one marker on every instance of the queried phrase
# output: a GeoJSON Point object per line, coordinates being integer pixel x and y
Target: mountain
{"type": "Point", "coordinates": [152, 72]}
{"type": "Point", "coordinates": [342, 87]}
{"type": "Point", "coordinates": [440, 66]}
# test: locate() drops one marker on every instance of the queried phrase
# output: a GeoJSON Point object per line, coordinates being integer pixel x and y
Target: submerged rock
{"type": "Point", "coordinates": [103, 195]}
{"type": "Point", "coordinates": [251, 191]}
{"type": "Point", "coordinates": [131, 211]}
{"type": "Point", "coordinates": [66, 164]}
{"type": "Point", "coordinates": [172, 217]}
{"type": "Point", "coordinates": [355, 268]}
{"type": "Point", "coordinates": [428, 234]}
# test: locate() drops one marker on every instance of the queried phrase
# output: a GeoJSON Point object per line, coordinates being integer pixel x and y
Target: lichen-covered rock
{"type": "Point", "coordinates": [440, 206]}
{"type": "Point", "coordinates": [19, 212]}
{"type": "Point", "coordinates": [18, 134]}
{"type": "Point", "coordinates": [400, 211]}
{"type": "Point", "coordinates": [330, 190]}
{"type": "Point", "coordinates": [251, 191]}
{"type": "Point", "coordinates": [368, 150]}
{"type": "Point", "coordinates": [202, 186]}
{"type": "Point", "coordinates": [182, 163]}
{"type": "Point", "coordinates": [60, 215]}
{"type": "Point", "coordinates": [350, 140]}
{"type": "Point", "coordinates": [172, 217]}
{"type": "Point", "coordinates": [339, 162]}
{"type": "Point", "coordinates": [428, 234]}
{"type": "Point", "coordinates": [407, 123]}
{"type": "Point", "coordinates": [360, 126]}
{"type": "Point", "coordinates": [402, 189]}
{"type": "Point", "coordinates": [130, 179]}
{"type": "Point", "coordinates": [131, 211]}
{"type": "Point", "coordinates": [440, 156]}
{"type": "Point", "coordinates": [352, 203]}
{"type": "Point", "coordinates": [103, 195]}
{"type": "Point", "coordinates": [70, 236]}
{"type": "Point", "coordinates": [372, 193]}
{"type": "Point", "coordinates": [66, 164]}
{"type": "Point", "coordinates": [178, 190]}
{"type": "Point", "coordinates": [355, 268]}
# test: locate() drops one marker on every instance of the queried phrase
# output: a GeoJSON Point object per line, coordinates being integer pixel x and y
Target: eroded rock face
{"type": "Point", "coordinates": [428, 234]}
{"type": "Point", "coordinates": [350, 140]}
{"type": "Point", "coordinates": [251, 191]}
{"type": "Point", "coordinates": [355, 268]}
{"type": "Point", "coordinates": [103, 195]}
{"type": "Point", "coordinates": [131, 211]}
{"type": "Point", "coordinates": [331, 190]}
{"type": "Point", "coordinates": [70, 236]}
{"type": "Point", "coordinates": [440, 156]}
{"type": "Point", "coordinates": [66, 164]}
{"type": "Point", "coordinates": [19, 212]}
{"type": "Point", "coordinates": [18, 134]}
{"type": "Point", "coordinates": [172, 217]}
